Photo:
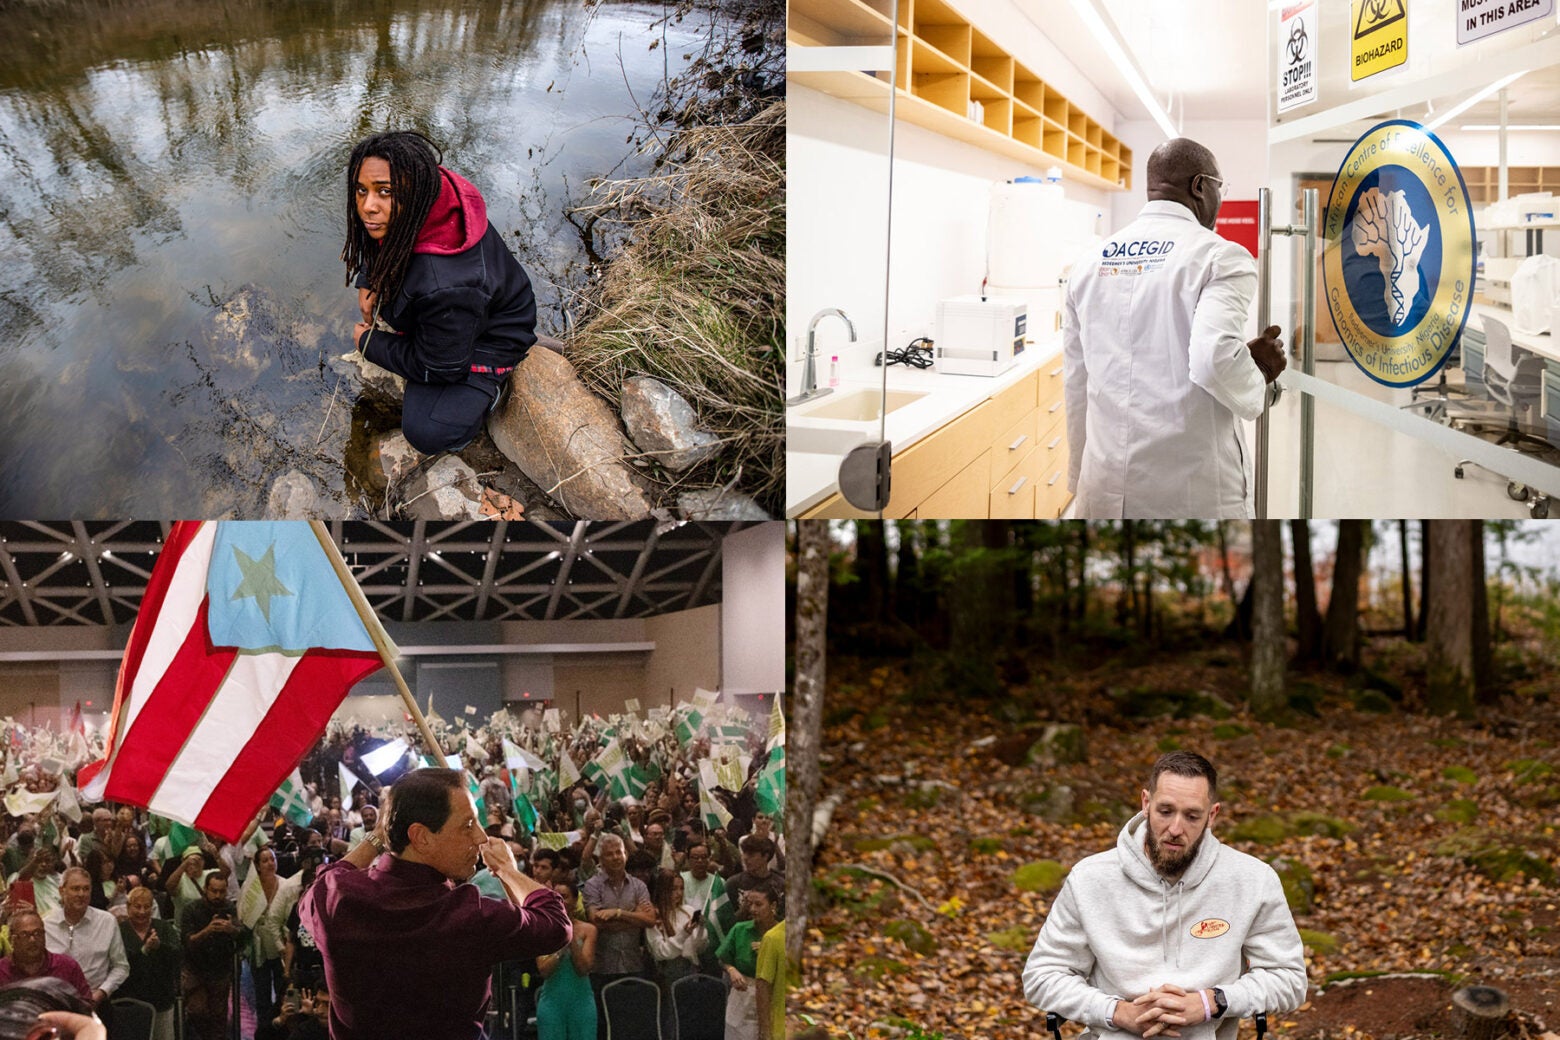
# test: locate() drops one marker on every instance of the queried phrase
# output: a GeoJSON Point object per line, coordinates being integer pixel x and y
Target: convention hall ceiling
{"type": "Point", "coordinates": [94, 572]}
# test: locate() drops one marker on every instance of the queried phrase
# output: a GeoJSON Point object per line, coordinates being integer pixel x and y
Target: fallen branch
{"type": "Point", "coordinates": [886, 876]}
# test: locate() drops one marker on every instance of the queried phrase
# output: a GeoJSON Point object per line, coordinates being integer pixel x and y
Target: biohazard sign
{"type": "Point", "coordinates": [1398, 261]}
{"type": "Point", "coordinates": [1380, 37]}
{"type": "Point", "coordinates": [1297, 41]}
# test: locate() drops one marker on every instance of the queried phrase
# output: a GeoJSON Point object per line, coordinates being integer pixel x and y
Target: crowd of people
{"type": "Point", "coordinates": [678, 877]}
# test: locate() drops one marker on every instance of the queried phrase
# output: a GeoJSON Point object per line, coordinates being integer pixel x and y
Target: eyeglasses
{"type": "Point", "coordinates": [1224, 189]}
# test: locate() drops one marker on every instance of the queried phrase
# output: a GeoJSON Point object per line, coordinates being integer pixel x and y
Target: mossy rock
{"type": "Point", "coordinates": [1205, 704]}
{"type": "Point", "coordinates": [1373, 702]}
{"type": "Point", "coordinates": [1229, 731]}
{"type": "Point", "coordinates": [1338, 751]}
{"type": "Point", "coordinates": [1168, 744]}
{"type": "Point", "coordinates": [1054, 804]}
{"type": "Point", "coordinates": [1299, 884]}
{"type": "Point", "coordinates": [1387, 793]}
{"type": "Point", "coordinates": [875, 968]}
{"type": "Point", "coordinates": [1059, 744]}
{"type": "Point", "coordinates": [1096, 811]}
{"type": "Point", "coordinates": [1530, 770]}
{"type": "Point", "coordinates": [985, 846]}
{"type": "Point", "coordinates": [915, 936]}
{"type": "Point", "coordinates": [1046, 875]}
{"type": "Point", "coordinates": [918, 842]}
{"type": "Point", "coordinates": [1540, 797]}
{"type": "Point", "coordinates": [1306, 702]}
{"type": "Point", "coordinates": [1460, 775]}
{"type": "Point", "coordinates": [1017, 939]}
{"type": "Point", "coordinates": [1459, 811]}
{"type": "Point", "coordinates": [923, 798]}
{"type": "Point", "coordinates": [1375, 681]}
{"type": "Point", "coordinates": [1264, 830]}
{"type": "Point", "coordinates": [851, 888]}
{"type": "Point", "coordinates": [1143, 703]}
{"type": "Point", "coordinates": [1320, 824]}
{"type": "Point", "coordinates": [1324, 943]}
{"type": "Point", "coordinates": [1503, 864]}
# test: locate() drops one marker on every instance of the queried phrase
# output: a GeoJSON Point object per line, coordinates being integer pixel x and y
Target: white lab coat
{"type": "Point", "coordinates": [1157, 372]}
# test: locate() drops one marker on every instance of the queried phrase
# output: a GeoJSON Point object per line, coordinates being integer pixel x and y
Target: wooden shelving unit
{"type": "Point", "coordinates": [1484, 181]}
{"type": "Point", "coordinates": [943, 64]}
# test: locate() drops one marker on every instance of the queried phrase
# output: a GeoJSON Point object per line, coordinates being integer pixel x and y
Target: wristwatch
{"type": "Point", "coordinates": [378, 843]}
{"type": "Point", "coordinates": [1220, 1004]}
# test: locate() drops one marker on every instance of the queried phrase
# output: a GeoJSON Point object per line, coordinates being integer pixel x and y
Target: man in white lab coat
{"type": "Point", "coordinates": [1157, 368]}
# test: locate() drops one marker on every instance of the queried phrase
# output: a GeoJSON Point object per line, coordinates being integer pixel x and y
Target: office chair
{"type": "Point", "coordinates": [1513, 380]}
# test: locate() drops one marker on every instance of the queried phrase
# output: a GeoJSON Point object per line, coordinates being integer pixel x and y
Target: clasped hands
{"type": "Point", "coordinates": [1159, 1010]}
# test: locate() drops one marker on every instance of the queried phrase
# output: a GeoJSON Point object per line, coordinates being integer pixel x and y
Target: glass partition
{"type": "Point", "coordinates": [1435, 377]}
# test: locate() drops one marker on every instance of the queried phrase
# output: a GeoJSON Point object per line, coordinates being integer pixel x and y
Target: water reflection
{"type": "Point", "coordinates": [158, 157]}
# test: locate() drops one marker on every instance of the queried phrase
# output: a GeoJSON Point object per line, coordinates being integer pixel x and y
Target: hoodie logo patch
{"type": "Point", "coordinates": [1211, 928]}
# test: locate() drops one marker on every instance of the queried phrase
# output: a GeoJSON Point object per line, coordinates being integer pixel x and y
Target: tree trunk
{"type": "Point", "coordinates": [1479, 1012]}
{"type": "Point", "coordinates": [1483, 664]}
{"type": "Point", "coordinates": [1308, 619]}
{"type": "Point", "coordinates": [907, 576]}
{"type": "Point", "coordinates": [1408, 581]}
{"type": "Point", "coordinates": [1224, 560]}
{"type": "Point", "coordinates": [1341, 633]}
{"type": "Point", "coordinates": [872, 571]}
{"type": "Point", "coordinates": [1449, 627]}
{"type": "Point", "coordinates": [804, 729]}
{"type": "Point", "coordinates": [1127, 605]}
{"type": "Point", "coordinates": [1424, 579]}
{"type": "Point", "coordinates": [1267, 622]}
{"type": "Point", "coordinates": [1083, 572]}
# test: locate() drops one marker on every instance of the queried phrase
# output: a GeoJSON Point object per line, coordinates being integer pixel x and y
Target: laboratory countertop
{"type": "Point", "coordinates": [810, 477]}
{"type": "Point", "coordinates": [1541, 343]}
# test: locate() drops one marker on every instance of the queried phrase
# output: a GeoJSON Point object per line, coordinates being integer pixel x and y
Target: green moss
{"type": "Point", "coordinates": [1320, 824]}
{"type": "Point", "coordinates": [1299, 884]}
{"type": "Point", "coordinates": [877, 719]}
{"type": "Point", "coordinates": [1017, 939]}
{"type": "Point", "coordinates": [1460, 810]}
{"type": "Point", "coordinates": [1264, 830]}
{"type": "Point", "coordinates": [1229, 731]}
{"type": "Point", "coordinates": [1045, 875]}
{"type": "Point", "coordinates": [1319, 942]}
{"type": "Point", "coordinates": [923, 798]}
{"type": "Point", "coordinates": [1388, 794]}
{"type": "Point", "coordinates": [1529, 770]}
{"type": "Point", "coordinates": [1448, 742]}
{"type": "Point", "coordinates": [1504, 864]}
{"type": "Point", "coordinates": [913, 935]}
{"type": "Point", "coordinates": [985, 846]}
{"type": "Point", "coordinates": [1168, 744]}
{"type": "Point", "coordinates": [875, 968]}
{"type": "Point", "coordinates": [1460, 774]}
{"type": "Point", "coordinates": [1372, 701]}
{"type": "Point", "coordinates": [1344, 976]}
{"type": "Point", "coordinates": [1338, 750]}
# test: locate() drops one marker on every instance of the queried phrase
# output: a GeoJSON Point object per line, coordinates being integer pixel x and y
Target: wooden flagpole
{"type": "Point", "coordinates": [376, 632]}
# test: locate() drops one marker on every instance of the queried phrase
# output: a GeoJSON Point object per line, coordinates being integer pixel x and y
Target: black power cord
{"type": "Point", "coordinates": [917, 355]}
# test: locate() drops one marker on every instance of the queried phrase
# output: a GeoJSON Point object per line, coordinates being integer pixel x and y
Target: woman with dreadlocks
{"type": "Point", "coordinates": [445, 303]}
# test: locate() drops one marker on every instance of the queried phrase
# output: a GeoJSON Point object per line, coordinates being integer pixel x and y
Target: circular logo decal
{"type": "Point", "coordinates": [1398, 263]}
{"type": "Point", "coordinates": [1210, 928]}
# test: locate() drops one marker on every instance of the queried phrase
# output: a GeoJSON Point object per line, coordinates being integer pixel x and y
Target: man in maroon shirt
{"type": "Point", "coordinates": [408, 948]}
{"type": "Point", "coordinates": [29, 959]}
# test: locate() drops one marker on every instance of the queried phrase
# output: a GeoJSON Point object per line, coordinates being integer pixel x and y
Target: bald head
{"type": "Point", "coordinates": [1181, 170]}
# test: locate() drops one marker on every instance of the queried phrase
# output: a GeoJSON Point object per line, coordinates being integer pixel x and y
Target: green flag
{"type": "Point", "coordinates": [292, 801]}
{"type": "Point", "coordinates": [525, 812]}
{"type": "Point", "coordinates": [688, 722]}
{"type": "Point", "coordinates": [476, 796]}
{"type": "Point", "coordinates": [714, 813]}
{"type": "Point", "coordinates": [769, 792]}
{"type": "Point", "coordinates": [180, 838]}
{"type": "Point", "coordinates": [568, 772]}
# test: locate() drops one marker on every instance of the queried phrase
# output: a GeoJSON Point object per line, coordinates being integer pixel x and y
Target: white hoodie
{"type": "Point", "coordinates": [1118, 929]}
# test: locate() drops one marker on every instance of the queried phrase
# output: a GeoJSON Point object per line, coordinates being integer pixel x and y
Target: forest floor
{"type": "Point", "coordinates": [1424, 845]}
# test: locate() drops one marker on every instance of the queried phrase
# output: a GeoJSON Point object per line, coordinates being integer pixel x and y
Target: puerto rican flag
{"type": "Point", "coordinates": [245, 644]}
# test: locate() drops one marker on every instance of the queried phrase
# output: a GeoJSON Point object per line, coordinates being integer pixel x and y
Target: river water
{"type": "Point", "coordinates": [160, 159]}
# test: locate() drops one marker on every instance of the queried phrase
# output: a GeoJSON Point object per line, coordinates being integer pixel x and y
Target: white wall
{"type": "Point", "coordinates": [1482, 148]}
{"type": "Point", "coordinates": [1237, 144]}
{"type": "Point", "coordinates": [836, 182]}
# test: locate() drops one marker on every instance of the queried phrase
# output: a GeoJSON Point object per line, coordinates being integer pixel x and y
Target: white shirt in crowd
{"type": "Point", "coordinates": [93, 942]}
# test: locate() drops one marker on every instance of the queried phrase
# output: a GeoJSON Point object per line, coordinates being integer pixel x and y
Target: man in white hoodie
{"type": "Point", "coordinates": [1150, 938]}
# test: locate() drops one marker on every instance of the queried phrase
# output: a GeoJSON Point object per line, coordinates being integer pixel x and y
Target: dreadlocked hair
{"type": "Point", "coordinates": [414, 186]}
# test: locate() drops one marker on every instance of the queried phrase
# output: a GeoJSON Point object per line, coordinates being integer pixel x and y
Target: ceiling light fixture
{"type": "Point", "coordinates": [1463, 106]}
{"type": "Point", "coordinates": [1512, 126]}
{"type": "Point", "coordinates": [1105, 35]}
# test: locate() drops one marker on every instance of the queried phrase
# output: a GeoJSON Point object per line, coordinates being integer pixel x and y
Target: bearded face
{"type": "Point", "coordinates": [1179, 810]}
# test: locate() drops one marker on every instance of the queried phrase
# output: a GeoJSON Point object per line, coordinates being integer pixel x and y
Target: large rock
{"type": "Point", "coordinates": [396, 458]}
{"type": "Point", "coordinates": [294, 497]}
{"type": "Point", "coordinates": [720, 504]}
{"type": "Point", "coordinates": [447, 490]}
{"type": "Point", "coordinates": [568, 441]}
{"type": "Point", "coordinates": [373, 381]}
{"type": "Point", "coordinates": [661, 422]}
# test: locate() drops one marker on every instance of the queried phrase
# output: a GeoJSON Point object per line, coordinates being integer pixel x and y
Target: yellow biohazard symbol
{"type": "Point", "coordinates": [1377, 14]}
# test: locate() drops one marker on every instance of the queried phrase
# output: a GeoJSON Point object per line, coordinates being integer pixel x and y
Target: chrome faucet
{"type": "Point", "coordinates": [810, 388]}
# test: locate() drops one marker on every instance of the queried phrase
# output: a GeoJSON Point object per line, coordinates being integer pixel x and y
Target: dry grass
{"type": "Point", "coordinates": [695, 295]}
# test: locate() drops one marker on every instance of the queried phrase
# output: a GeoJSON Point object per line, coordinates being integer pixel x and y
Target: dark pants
{"type": "Point", "coordinates": [269, 979]}
{"type": "Point", "coordinates": [439, 417]}
{"type": "Point", "coordinates": [206, 1006]}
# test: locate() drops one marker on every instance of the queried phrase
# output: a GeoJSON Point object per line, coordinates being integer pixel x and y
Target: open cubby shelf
{"type": "Point", "coordinates": [944, 63]}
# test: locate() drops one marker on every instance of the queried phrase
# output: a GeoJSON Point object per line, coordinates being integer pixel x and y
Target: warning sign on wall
{"type": "Point", "coordinates": [1477, 19]}
{"type": "Point", "coordinates": [1380, 37]}
{"type": "Point", "coordinates": [1297, 42]}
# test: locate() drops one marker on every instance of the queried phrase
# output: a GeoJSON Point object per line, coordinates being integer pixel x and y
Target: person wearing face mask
{"type": "Point", "coordinates": [409, 948]}
{"type": "Point", "coordinates": [1171, 933]}
{"type": "Point", "coordinates": [1158, 369]}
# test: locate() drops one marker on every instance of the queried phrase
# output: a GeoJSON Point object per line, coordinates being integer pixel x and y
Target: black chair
{"type": "Point", "coordinates": [1053, 1022]}
{"type": "Point", "coordinates": [699, 1008]}
{"type": "Point", "coordinates": [633, 1009]}
{"type": "Point", "coordinates": [133, 1019]}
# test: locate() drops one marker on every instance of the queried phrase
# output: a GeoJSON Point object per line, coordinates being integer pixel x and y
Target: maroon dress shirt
{"type": "Point", "coordinates": [408, 953]}
{"type": "Point", "coordinates": [59, 965]}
